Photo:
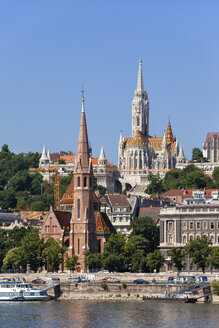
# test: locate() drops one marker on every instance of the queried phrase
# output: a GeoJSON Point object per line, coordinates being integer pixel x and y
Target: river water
{"type": "Point", "coordinates": [107, 314]}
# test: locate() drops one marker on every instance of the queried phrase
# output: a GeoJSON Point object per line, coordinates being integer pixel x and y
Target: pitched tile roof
{"type": "Point", "coordinates": [118, 200]}
{"type": "Point", "coordinates": [64, 219]}
{"type": "Point", "coordinates": [68, 197]}
{"type": "Point", "coordinates": [103, 223]}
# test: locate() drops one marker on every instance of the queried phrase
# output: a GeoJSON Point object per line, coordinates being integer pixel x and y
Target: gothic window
{"type": "Point", "coordinates": [54, 228]}
{"type": "Point", "coordinates": [79, 208]}
{"type": "Point", "coordinates": [78, 246]}
{"type": "Point", "coordinates": [47, 228]}
{"type": "Point", "coordinates": [67, 243]}
{"type": "Point", "coordinates": [85, 181]}
{"type": "Point", "coordinates": [79, 182]}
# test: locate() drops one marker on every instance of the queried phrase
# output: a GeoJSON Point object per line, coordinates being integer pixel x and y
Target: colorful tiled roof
{"type": "Point", "coordinates": [137, 141]}
{"type": "Point", "coordinates": [103, 224]}
{"type": "Point", "coordinates": [68, 197]}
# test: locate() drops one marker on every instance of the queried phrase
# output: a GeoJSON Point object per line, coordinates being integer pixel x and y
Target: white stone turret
{"type": "Point", "coordinates": [48, 156]}
{"type": "Point", "coordinates": [181, 157]}
{"type": "Point", "coordinates": [140, 107]}
{"type": "Point", "coordinates": [44, 161]}
{"type": "Point", "coordinates": [102, 158]}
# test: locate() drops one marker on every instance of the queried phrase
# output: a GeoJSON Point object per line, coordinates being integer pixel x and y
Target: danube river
{"type": "Point", "coordinates": [107, 314]}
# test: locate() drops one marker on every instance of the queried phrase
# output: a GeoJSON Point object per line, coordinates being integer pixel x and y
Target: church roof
{"type": "Point", "coordinates": [169, 134]}
{"type": "Point", "coordinates": [64, 219]}
{"type": "Point", "coordinates": [138, 141]}
{"type": "Point", "coordinates": [103, 223]}
{"type": "Point", "coordinates": [156, 143]}
{"type": "Point", "coordinates": [68, 197]}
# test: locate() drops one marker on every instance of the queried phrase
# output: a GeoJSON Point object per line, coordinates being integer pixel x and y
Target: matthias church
{"type": "Point", "coordinates": [142, 154]}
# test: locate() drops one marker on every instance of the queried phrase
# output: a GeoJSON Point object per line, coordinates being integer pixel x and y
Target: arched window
{"type": "Point", "coordinates": [85, 181]}
{"type": "Point", "coordinates": [138, 121]}
{"type": "Point", "coordinates": [79, 182]}
{"type": "Point", "coordinates": [184, 239]}
{"type": "Point", "coordinates": [67, 243]}
{"type": "Point", "coordinates": [78, 246]}
{"type": "Point", "coordinates": [79, 208]}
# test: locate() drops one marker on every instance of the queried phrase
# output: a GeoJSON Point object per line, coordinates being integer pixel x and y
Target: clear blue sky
{"type": "Point", "coordinates": [48, 49]}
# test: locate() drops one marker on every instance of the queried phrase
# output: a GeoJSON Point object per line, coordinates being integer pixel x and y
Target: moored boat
{"type": "Point", "coordinates": [20, 291]}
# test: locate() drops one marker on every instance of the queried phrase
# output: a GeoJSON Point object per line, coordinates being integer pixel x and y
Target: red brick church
{"type": "Point", "coordinates": [79, 227]}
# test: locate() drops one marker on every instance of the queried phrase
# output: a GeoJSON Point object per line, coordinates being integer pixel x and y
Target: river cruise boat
{"type": "Point", "coordinates": [20, 291]}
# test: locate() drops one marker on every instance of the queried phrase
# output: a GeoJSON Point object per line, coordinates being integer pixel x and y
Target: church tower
{"type": "Point", "coordinates": [83, 225]}
{"type": "Point", "coordinates": [140, 107]}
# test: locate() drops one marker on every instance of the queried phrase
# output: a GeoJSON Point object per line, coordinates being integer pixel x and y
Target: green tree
{"type": "Point", "coordinates": [197, 155]}
{"type": "Point", "coordinates": [146, 227]}
{"type": "Point", "coordinates": [21, 181]}
{"type": "Point", "coordinates": [52, 253]}
{"type": "Point", "coordinates": [215, 176]}
{"type": "Point", "coordinates": [32, 247]}
{"type": "Point", "coordinates": [177, 257]}
{"type": "Point", "coordinates": [172, 179]}
{"type": "Point", "coordinates": [135, 249]}
{"type": "Point", "coordinates": [199, 250]}
{"type": "Point", "coordinates": [93, 260]}
{"type": "Point", "coordinates": [215, 257]}
{"type": "Point", "coordinates": [71, 262]}
{"type": "Point", "coordinates": [13, 259]}
{"type": "Point", "coordinates": [3, 248]}
{"type": "Point", "coordinates": [155, 186]}
{"type": "Point", "coordinates": [114, 253]}
{"type": "Point", "coordinates": [155, 260]}
{"type": "Point", "coordinates": [8, 199]}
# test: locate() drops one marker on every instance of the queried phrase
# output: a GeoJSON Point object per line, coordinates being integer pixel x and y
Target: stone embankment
{"type": "Point", "coordinates": [125, 290]}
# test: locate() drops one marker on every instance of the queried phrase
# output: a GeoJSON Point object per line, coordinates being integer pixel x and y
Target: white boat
{"type": "Point", "coordinates": [20, 291]}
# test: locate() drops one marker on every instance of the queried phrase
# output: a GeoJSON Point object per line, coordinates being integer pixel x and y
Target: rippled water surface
{"type": "Point", "coordinates": [94, 314]}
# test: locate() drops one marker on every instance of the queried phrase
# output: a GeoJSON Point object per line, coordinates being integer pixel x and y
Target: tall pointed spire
{"type": "Point", "coordinates": [102, 154]}
{"type": "Point", "coordinates": [48, 155]}
{"type": "Point", "coordinates": [181, 153]}
{"type": "Point", "coordinates": [140, 85]}
{"type": "Point", "coordinates": [83, 152]}
{"type": "Point", "coordinates": [169, 133]}
{"type": "Point", "coordinates": [44, 156]}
